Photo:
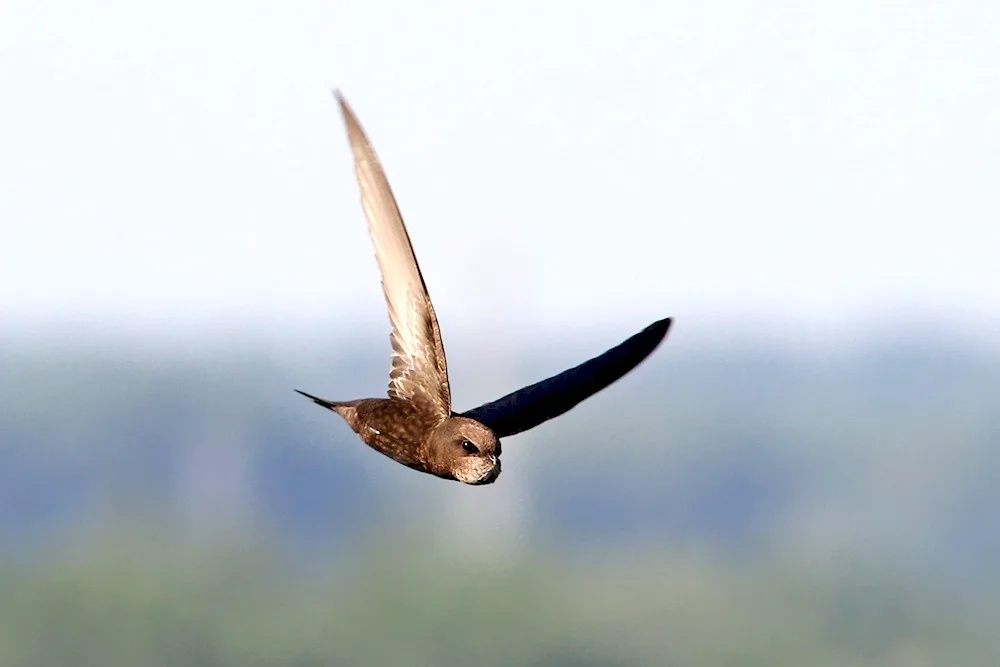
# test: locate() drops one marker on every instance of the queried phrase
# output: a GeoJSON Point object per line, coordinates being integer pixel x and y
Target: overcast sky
{"type": "Point", "coordinates": [557, 163]}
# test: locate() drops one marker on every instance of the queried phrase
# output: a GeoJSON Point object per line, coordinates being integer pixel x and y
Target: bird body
{"type": "Point", "coordinates": [415, 425]}
{"type": "Point", "coordinates": [412, 435]}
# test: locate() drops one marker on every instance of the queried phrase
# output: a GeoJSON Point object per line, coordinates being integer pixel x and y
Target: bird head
{"type": "Point", "coordinates": [468, 451]}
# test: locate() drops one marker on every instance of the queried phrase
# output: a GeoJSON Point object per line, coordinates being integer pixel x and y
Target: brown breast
{"type": "Point", "coordinates": [399, 429]}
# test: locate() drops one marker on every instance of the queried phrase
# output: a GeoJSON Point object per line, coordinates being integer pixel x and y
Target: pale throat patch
{"type": "Point", "coordinates": [474, 469]}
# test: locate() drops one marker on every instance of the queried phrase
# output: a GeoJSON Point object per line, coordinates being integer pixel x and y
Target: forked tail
{"type": "Point", "coordinates": [330, 405]}
{"type": "Point", "coordinates": [346, 409]}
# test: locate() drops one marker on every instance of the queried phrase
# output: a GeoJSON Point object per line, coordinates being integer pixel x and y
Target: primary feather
{"type": "Point", "coordinates": [419, 369]}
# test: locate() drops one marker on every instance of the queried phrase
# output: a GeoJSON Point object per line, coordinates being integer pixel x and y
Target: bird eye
{"type": "Point", "coordinates": [469, 447]}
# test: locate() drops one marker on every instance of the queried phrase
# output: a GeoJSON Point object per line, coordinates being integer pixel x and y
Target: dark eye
{"type": "Point", "coordinates": [469, 447]}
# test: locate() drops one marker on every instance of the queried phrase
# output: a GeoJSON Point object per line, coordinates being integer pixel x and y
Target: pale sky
{"type": "Point", "coordinates": [557, 163]}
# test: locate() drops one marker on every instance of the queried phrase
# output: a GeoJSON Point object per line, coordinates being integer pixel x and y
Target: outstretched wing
{"type": "Point", "coordinates": [528, 407]}
{"type": "Point", "coordinates": [419, 370]}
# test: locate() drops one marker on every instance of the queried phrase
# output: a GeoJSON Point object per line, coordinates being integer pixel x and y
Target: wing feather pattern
{"type": "Point", "coordinates": [419, 369]}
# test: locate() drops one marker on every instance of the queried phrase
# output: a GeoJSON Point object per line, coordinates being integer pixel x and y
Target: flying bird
{"type": "Point", "coordinates": [415, 425]}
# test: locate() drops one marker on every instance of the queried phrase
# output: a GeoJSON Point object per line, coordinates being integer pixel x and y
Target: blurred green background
{"type": "Point", "coordinates": [725, 504]}
{"type": "Point", "coordinates": [805, 473]}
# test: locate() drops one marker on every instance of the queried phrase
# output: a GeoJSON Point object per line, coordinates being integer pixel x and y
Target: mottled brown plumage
{"type": "Point", "coordinates": [415, 425]}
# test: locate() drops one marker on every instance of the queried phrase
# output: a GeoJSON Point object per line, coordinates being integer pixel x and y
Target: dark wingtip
{"type": "Point", "coordinates": [642, 344]}
{"type": "Point", "coordinates": [659, 328]}
{"type": "Point", "coordinates": [662, 324]}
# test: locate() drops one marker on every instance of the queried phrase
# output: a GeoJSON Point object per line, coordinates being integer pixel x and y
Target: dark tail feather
{"type": "Point", "coordinates": [330, 405]}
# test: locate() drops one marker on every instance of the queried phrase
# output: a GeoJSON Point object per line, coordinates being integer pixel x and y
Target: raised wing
{"type": "Point", "coordinates": [419, 369]}
{"type": "Point", "coordinates": [528, 407]}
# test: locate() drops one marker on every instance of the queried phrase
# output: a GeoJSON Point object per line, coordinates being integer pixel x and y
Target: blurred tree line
{"type": "Point", "coordinates": [720, 506]}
